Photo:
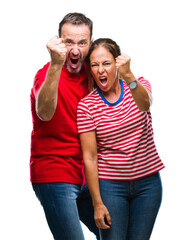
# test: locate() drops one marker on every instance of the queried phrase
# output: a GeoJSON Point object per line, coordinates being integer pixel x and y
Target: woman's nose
{"type": "Point", "coordinates": [101, 69]}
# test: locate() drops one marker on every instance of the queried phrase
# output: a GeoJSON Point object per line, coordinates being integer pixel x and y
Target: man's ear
{"type": "Point", "coordinates": [91, 41]}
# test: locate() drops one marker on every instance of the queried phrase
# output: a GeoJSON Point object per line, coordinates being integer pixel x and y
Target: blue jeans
{"type": "Point", "coordinates": [65, 205]}
{"type": "Point", "coordinates": [133, 207]}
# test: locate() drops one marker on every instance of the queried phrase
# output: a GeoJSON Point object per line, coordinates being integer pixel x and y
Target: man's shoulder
{"type": "Point", "coordinates": [44, 68]}
{"type": "Point", "coordinates": [41, 72]}
{"type": "Point", "coordinates": [39, 78]}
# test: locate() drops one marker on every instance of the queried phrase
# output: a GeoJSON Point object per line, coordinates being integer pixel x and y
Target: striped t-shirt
{"type": "Point", "coordinates": [125, 144]}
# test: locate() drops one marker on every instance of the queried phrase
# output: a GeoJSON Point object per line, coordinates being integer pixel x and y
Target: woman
{"type": "Point", "coordinates": [121, 161]}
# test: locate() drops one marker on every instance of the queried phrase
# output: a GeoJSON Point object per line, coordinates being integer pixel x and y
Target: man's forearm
{"type": "Point", "coordinates": [46, 100]}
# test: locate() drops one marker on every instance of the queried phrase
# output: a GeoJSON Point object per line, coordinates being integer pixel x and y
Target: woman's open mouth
{"type": "Point", "coordinates": [103, 81]}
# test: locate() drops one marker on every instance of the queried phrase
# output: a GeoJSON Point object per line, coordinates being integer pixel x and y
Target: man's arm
{"type": "Point", "coordinates": [46, 100]}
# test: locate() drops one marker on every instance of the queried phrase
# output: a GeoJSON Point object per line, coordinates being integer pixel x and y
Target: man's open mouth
{"type": "Point", "coordinates": [74, 61]}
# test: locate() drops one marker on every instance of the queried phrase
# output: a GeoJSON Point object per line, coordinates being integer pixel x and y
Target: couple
{"type": "Point", "coordinates": [113, 126]}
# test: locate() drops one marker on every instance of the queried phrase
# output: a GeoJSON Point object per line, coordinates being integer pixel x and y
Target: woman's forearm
{"type": "Point", "coordinates": [91, 173]}
{"type": "Point", "coordinates": [100, 211]}
{"type": "Point", "coordinates": [139, 94]}
{"type": "Point", "coordinates": [89, 148]}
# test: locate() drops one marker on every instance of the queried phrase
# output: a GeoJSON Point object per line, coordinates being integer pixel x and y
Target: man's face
{"type": "Point", "coordinates": [77, 41]}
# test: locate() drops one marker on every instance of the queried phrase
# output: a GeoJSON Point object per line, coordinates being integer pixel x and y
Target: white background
{"type": "Point", "coordinates": [151, 32]}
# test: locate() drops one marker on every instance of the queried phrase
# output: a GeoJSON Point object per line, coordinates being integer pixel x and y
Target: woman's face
{"type": "Point", "coordinates": [103, 68]}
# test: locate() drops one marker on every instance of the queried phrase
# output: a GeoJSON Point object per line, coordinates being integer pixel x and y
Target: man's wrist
{"type": "Point", "coordinates": [56, 66]}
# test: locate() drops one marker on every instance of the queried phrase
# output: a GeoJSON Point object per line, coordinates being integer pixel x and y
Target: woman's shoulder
{"type": "Point", "coordinates": [91, 97]}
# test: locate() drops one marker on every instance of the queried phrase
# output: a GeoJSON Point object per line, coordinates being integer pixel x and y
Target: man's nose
{"type": "Point", "coordinates": [75, 49]}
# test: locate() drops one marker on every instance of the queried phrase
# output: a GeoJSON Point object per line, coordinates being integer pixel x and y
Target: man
{"type": "Point", "coordinates": [56, 163]}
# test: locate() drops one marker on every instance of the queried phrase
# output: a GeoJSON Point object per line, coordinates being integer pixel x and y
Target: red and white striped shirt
{"type": "Point", "coordinates": [126, 148]}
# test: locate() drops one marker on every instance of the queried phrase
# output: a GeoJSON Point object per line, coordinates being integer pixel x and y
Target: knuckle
{"type": "Point", "coordinates": [48, 45]}
{"type": "Point", "coordinates": [60, 52]}
{"type": "Point", "coordinates": [97, 219]}
{"type": "Point", "coordinates": [63, 45]}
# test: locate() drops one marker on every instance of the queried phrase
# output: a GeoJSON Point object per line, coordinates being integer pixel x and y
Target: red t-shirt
{"type": "Point", "coordinates": [55, 147]}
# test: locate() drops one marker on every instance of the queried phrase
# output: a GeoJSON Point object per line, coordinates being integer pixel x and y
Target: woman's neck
{"type": "Point", "coordinates": [114, 93]}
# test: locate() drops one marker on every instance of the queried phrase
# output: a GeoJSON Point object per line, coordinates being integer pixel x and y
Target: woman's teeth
{"type": "Point", "coordinates": [103, 80]}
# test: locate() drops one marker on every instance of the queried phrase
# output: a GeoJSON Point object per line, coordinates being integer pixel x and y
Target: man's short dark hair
{"type": "Point", "coordinates": [77, 19]}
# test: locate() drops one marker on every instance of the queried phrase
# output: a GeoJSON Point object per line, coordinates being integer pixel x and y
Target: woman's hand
{"type": "Point", "coordinates": [102, 217]}
{"type": "Point", "coordinates": [123, 66]}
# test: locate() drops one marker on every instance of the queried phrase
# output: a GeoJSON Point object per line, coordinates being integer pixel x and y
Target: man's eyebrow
{"type": "Point", "coordinates": [83, 40]}
{"type": "Point", "coordinates": [71, 40]}
{"type": "Point", "coordinates": [68, 39]}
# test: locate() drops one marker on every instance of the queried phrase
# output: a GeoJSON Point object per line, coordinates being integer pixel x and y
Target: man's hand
{"type": "Point", "coordinates": [57, 50]}
{"type": "Point", "coordinates": [102, 217]}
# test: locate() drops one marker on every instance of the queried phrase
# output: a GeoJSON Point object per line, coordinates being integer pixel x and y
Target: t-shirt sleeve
{"type": "Point", "coordinates": [85, 121]}
{"type": "Point", "coordinates": [146, 84]}
{"type": "Point", "coordinates": [39, 79]}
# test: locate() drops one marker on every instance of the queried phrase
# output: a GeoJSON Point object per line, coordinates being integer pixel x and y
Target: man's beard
{"type": "Point", "coordinates": [74, 63]}
{"type": "Point", "coordinates": [73, 70]}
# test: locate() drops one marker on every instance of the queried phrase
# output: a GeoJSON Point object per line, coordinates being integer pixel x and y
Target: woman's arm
{"type": "Point", "coordinates": [139, 94]}
{"type": "Point", "coordinates": [89, 149]}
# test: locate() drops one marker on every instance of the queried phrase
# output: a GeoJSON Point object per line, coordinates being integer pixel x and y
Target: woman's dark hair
{"type": "Point", "coordinates": [77, 19]}
{"type": "Point", "coordinates": [107, 43]}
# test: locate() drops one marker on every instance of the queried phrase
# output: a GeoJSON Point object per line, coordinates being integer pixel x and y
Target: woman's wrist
{"type": "Point", "coordinates": [97, 203]}
{"type": "Point", "coordinates": [129, 77]}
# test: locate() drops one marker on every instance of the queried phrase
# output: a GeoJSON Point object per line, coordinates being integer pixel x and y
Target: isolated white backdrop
{"type": "Point", "coordinates": [151, 32]}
